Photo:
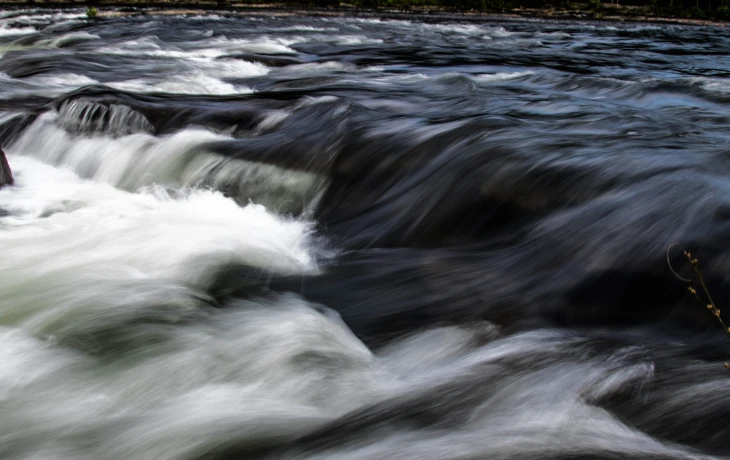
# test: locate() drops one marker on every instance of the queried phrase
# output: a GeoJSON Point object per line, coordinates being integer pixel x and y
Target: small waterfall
{"type": "Point", "coordinates": [82, 116]}
{"type": "Point", "coordinates": [137, 160]}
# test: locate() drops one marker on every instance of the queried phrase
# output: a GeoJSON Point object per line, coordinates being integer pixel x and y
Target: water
{"type": "Point", "coordinates": [308, 238]}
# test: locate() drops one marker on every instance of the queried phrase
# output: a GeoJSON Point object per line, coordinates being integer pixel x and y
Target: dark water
{"type": "Point", "coordinates": [310, 238]}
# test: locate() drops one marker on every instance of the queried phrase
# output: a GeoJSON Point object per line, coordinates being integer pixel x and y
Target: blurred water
{"type": "Point", "coordinates": [240, 237]}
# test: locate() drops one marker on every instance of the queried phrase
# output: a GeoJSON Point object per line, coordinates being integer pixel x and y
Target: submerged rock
{"type": "Point", "coordinates": [6, 176]}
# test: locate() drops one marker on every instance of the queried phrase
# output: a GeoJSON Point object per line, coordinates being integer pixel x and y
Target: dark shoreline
{"type": "Point", "coordinates": [126, 8]}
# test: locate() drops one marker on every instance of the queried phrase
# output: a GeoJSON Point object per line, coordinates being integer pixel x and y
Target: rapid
{"type": "Point", "coordinates": [351, 238]}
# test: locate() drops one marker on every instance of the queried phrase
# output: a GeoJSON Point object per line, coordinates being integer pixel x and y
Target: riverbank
{"type": "Point", "coordinates": [116, 8]}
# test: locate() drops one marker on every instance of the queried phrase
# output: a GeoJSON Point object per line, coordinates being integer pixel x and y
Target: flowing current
{"type": "Point", "coordinates": [280, 237]}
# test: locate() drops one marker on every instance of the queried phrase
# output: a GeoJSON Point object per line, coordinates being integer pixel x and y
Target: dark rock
{"type": "Point", "coordinates": [6, 176]}
{"type": "Point", "coordinates": [11, 128]}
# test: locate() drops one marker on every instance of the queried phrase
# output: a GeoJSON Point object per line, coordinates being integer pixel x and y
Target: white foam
{"type": "Point", "coordinates": [50, 204]}
{"type": "Point", "coordinates": [466, 29]}
{"type": "Point", "coordinates": [67, 39]}
{"type": "Point", "coordinates": [500, 32]}
{"type": "Point", "coordinates": [209, 48]}
{"type": "Point", "coordinates": [303, 28]}
{"type": "Point", "coordinates": [356, 40]}
{"type": "Point", "coordinates": [206, 17]}
{"type": "Point", "coordinates": [390, 22]}
{"type": "Point", "coordinates": [81, 258]}
{"type": "Point", "coordinates": [472, 30]}
{"type": "Point", "coordinates": [85, 243]}
{"type": "Point", "coordinates": [499, 76]}
{"type": "Point", "coordinates": [61, 80]}
{"type": "Point", "coordinates": [312, 100]}
{"type": "Point", "coordinates": [240, 375]}
{"type": "Point", "coordinates": [195, 71]}
{"type": "Point", "coordinates": [44, 84]}
{"type": "Point", "coordinates": [9, 31]}
{"type": "Point", "coordinates": [234, 68]}
{"type": "Point", "coordinates": [40, 18]}
{"type": "Point", "coordinates": [720, 86]}
{"type": "Point", "coordinates": [191, 83]}
{"type": "Point", "coordinates": [29, 20]}
{"type": "Point", "coordinates": [262, 45]}
{"type": "Point", "coordinates": [139, 160]}
{"type": "Point", "coordinates": [554, 34]}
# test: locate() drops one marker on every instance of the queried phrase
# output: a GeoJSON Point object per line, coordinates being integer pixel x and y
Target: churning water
{"type": "Point", "coordinates": [309, 238]}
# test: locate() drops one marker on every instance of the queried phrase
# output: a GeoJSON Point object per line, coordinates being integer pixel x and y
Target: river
{"type": "Point", "coordinates": [350, 238]}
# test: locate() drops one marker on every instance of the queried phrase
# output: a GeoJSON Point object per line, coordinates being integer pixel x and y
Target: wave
{"type": "Point", "coordinates": [139, 160]}
{"type": "Point", "coordinates": [207, 48]}
{"type": "Point", "coordinates": [200, 70]}
{"type": "Point", "coordinates": [192, 83]}
{"type": "Point", "coordinates": [67, 39]}
{"type": "Point", "coordinates": [10, 31]}
{"type": "Point", "coordinates": [49, 85]}
{"type": "Point", "coordinates": [113, 238]}
{"type": "Point", "coordinates": [64, 81]}
{"type": "Point", "coordinates": [499, 76]}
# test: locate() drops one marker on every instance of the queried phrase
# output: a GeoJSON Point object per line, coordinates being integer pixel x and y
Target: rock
{"type": "Point", "coordinates": [6, 176]}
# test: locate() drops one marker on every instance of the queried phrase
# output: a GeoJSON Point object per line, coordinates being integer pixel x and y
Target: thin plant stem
{"type": "Point", "coordinates": [710, 304]}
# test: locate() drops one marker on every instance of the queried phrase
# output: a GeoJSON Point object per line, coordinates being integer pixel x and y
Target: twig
{"type": "Point", "coordinates": [710, 304]}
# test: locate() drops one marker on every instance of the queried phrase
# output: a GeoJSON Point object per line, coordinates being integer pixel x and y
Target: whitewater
{"type": "Point", "coordinates": [259, 237]}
